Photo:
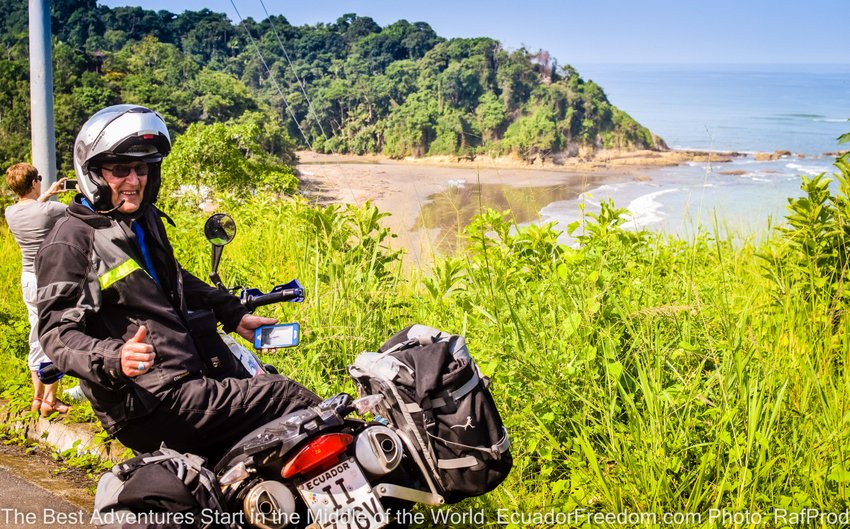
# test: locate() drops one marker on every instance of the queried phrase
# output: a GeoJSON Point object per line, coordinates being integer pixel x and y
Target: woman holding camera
{"type": "Point", "coordinates": [30, 219]}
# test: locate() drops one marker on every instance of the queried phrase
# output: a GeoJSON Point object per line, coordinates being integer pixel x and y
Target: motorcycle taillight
{"type": "Point", "coordinates": [316, 453]}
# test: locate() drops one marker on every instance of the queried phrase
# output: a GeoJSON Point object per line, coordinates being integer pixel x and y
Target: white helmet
{"type": "Point", "coordinates": [120, 133]}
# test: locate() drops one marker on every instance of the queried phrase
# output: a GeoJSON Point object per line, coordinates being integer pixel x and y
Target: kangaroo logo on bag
{"type": "Point", "coordinates": [467, 424]}
{"type": "Point", "coordinates": [435, 394]}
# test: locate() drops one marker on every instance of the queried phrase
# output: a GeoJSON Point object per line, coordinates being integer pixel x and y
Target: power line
{"type": "Point", "coordinates": [271, 76]}
{"type": "Point", "coordinates": [294, 72]}
{"type": "Point", "coordinates": [288, 107]}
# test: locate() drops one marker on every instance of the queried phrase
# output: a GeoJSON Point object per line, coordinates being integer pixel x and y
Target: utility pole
{"type": "Point", "coordinates": [41, 91]}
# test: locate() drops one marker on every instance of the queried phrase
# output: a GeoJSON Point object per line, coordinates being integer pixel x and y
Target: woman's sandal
{"type": "Point", "coordinates": [36, 404]}
{"type": "Point", "coordinates": [57, 406]}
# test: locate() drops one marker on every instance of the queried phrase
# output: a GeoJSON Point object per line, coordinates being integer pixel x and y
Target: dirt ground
{"type": "Point", "coordinates": [36, 465]}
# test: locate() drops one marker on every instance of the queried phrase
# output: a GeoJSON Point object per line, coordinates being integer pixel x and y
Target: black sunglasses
{"type": "Point", "coordinates": [37, 178]}
{"type": "Point", "coordinates": [123, 170]}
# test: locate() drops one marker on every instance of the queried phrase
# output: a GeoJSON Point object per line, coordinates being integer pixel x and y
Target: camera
{"type": "Point", "coordinates": [70, 185]}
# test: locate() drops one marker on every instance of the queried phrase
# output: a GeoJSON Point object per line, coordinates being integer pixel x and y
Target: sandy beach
{"type": "Point", "coordinates": [431, 199]}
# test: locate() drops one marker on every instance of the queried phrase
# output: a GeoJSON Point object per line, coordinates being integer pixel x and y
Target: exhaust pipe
{"type": "Point", "coordinates": [378, 450]}
{"type": "Point", "coordinates": [269, 505]}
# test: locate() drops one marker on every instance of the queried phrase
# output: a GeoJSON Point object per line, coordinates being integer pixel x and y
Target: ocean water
{"type": "Point", "coordinates": [744, 108]}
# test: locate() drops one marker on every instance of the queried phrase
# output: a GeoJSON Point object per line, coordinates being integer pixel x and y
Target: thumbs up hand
{"type": "Point", "coordinates": [136, 355]}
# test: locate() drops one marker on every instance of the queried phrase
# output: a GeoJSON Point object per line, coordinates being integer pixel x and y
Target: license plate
{"type": "Point", "coordinates": [341, 498]}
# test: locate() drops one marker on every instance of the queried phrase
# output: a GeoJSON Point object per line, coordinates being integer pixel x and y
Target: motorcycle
{"type": "Point", "coordinates": [324, 467]}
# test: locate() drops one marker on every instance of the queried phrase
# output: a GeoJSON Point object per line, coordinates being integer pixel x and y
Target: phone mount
{"type": "Point", "coordinates": [219, 229]}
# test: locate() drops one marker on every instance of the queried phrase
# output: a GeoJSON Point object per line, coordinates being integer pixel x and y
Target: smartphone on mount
{"type": "Point", "coordinates": [69, 185]}
{"type": "Point", "coordinates": [276, 336]}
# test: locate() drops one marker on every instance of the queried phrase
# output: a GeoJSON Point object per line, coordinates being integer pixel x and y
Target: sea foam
{"type": "Point", "coordinates": [646, 210]}
{"type": "Point", "coordinates": [808, 169]}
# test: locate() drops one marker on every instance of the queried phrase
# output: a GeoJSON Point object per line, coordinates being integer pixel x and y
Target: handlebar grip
{"type": "Point", "coordinates": [287, 294]}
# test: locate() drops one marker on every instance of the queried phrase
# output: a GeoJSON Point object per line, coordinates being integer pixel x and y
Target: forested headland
{"type": "Point", "coordinates": [350, 86]}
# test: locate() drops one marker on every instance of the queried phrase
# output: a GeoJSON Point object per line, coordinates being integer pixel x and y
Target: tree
{"type": "Point", "coordinates": [14, 112]}
{"type": "Point", "coordinates": [516, 78]}
{"type": "Point", "coordinates": [532, 135]}
{"type": "Point", "coordinates": [72, 109]}
{"type": "Point", "coordinates": [460, 85]}
{"type": "Point", "coordinates": [205, 35]}
{"type": "Point", "coordinates": [403, 79]}
{"type": "Point", "coordinates": [419, 39]}
{"type": "Point", "coordinates": [221, 96]}
{"type": "Point", "coordinates": [135, 23]}
{"type": "Point", "coordinates": [75, 21]}
{"type": "Point", "coordinates": [154, 74]}
{"type": "Point", "coordinates": [491, 114]}
{"type": "Point", "coordinates": [275, 145]}
{"type": "Point", "coordinates": [409, 128]}
{"type": "Point", "coordinates": [228, 158]}
{"type": "Point", "coordinates": [355, 28]}
{"type": "Point", "coordinates": [453, 133]}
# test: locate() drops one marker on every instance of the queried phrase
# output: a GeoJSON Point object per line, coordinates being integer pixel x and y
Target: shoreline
{"type": "Point", "coordinates": [407, 188]}
{"type": "Point", "coordinates": [602, 160]}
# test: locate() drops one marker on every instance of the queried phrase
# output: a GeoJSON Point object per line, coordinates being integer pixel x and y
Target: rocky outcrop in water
{"type": "Point", "coordinates": [768, 156]}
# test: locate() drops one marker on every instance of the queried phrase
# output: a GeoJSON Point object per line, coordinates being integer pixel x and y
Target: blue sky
{"type": "Point", "coordinates": [596, 31]}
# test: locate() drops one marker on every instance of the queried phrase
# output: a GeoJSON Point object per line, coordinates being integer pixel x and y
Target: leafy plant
{"type": "Point", "coordinates": [811, 262]}
{"type": "Point", "coordinates": [231, 157]}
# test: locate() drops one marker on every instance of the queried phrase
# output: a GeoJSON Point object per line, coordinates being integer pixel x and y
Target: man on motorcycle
{"type": "Point", "coordinates": [113, 304]}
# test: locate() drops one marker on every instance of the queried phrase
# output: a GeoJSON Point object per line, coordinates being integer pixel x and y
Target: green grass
{"type": "Point", "coordinates": [636, 372]}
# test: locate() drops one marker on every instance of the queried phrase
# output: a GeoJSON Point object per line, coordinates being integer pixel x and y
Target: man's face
{"type": "Point", "coordinates": [127, 182]}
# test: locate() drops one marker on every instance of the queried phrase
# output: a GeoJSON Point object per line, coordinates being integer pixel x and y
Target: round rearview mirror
{"type": "Point", "coordinates": [220, 229]}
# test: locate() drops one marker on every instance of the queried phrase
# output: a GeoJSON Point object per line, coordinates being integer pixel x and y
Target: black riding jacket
{"type": "Point", "coordinates": [94, 293]}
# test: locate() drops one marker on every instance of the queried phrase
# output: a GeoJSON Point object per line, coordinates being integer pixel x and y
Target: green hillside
{"type": "Point", "coordinates": [350, 86]}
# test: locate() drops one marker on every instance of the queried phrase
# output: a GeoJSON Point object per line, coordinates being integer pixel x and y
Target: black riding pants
{"type": "Point", "coordinates": [206, 417]}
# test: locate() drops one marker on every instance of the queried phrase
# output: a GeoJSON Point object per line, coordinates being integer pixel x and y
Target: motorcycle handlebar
{"type": "Point", "coordinates": [251, 302]}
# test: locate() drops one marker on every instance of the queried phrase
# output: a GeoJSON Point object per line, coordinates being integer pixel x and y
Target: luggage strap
{"type": "Point", "coordinates": [188, 467]}
{"type": "Point", "coordinates": [185, 463]}
{"type": "Point", "coordinates": [402, 345]}
{"type": "Point", "coordinates": [494, 452]}
{"type": "Point", "coordinates": [426, 453]}
{"type": "Point", "coordinates": [448, 396]}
